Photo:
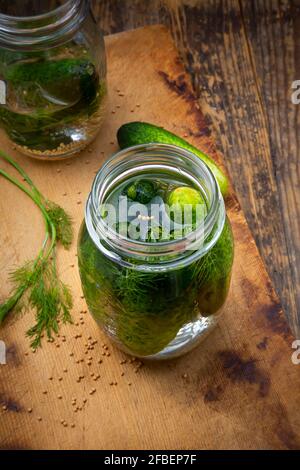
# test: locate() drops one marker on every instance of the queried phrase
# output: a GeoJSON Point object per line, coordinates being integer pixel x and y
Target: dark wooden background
{"type": "Point", "coordinates": [243, 56]}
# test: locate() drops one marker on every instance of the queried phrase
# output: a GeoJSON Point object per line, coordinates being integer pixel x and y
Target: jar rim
{"type": "Point", "coordinates": [48, 29]}
{"type": "Point", "coordinates": [185, 249]}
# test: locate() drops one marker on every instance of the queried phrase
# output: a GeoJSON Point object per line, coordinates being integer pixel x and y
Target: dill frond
{"type": "Point", "coordinates": [51, 299]}
{"type": "Point", "coordinates": [62, 222]}
{"type": "Point", "coordinates": [36, 284]}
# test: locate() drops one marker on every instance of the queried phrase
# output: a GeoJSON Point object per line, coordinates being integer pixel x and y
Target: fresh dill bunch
{"type": "Point", "coordinates": [36, 284]}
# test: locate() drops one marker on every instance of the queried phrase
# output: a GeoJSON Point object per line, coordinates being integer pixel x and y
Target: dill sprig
{"type": "Point", "coordinates": [36, 284]}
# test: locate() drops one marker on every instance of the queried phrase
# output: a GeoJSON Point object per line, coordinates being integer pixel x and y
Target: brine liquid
{"type": "Point", "coordinates": [150, 218]}
{"type": "Point", "coordinates": [51, 119]}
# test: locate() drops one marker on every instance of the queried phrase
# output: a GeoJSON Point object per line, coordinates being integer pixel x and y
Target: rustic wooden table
{"type": "Point", "coordinates": [243, 57]}
{"type": "Point", "coordinates": [239, 390]}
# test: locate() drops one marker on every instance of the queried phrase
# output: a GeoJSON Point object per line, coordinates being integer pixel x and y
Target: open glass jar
{"type": "Point", "coordinates": [52, 76]}
{"type": "Point", "coordinates": [154, 291]}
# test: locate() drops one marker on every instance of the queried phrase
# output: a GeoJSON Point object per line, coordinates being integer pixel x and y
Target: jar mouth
{"type": "Point", "coordinates": [50, 28]}
{"type": "Point", "coordinates": [151, 157]}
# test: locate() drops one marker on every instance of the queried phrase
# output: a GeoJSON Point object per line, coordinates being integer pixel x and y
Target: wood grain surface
{"type": "Point", "coordinates": [239, 389]}
{"type": "Point", "coordinates": [243, 57]}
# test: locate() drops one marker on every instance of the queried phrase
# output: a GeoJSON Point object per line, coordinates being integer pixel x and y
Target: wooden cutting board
{"type": "Point", "coordinates": [237, 390]}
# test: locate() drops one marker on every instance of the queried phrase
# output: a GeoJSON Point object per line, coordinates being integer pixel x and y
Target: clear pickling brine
{"type": "Point", "coordinates": [53, 67]}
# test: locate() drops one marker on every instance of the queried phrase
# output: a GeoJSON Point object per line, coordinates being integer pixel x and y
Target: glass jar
{"type": "Point", "coordinates": [52, 76]}
{"type": "Point", "coordinates": [155, 300]}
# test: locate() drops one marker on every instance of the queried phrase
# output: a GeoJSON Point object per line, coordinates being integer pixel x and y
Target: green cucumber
{"type": "Point", "coordinates": [141, 191]}
{"type": "Point", "coordinates": [66, 79]}
{"type": "Point", "coordinates": [135, 133]}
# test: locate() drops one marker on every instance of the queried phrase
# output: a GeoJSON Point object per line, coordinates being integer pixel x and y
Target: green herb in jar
{"type": "Point", "coordinates": [144, 309]}
{"type": "Point", "coordinates": [52, 60]}
{"type": "Point", "coordinates": [50, 101]}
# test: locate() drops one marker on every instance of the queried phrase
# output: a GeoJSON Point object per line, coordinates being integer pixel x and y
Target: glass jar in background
{"type": "Point", "coordinates": [155, 297]}
{"type": "Point", "coordinates": [52, 76]}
